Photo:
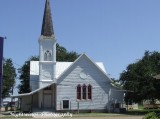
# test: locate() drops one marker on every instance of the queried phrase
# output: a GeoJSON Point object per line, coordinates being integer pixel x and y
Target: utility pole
{"type": "Point", "coordinates": [1, 69]}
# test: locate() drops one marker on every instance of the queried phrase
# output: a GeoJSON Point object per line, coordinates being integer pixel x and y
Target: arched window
{"type": "Point", "coordinates": [79, 92]}
{"type": "Point", "coordinates": [84, 96]}
{"type": "Point", "coordinates": [47, 56]}
{"type": "Point", "coordinates": [89, 92]}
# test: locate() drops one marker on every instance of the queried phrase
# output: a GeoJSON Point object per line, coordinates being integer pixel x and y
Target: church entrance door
{"type": "Point", "coordinates": [47, 100]}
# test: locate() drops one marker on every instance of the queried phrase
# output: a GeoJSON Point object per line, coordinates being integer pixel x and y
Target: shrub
{"type": "Point", "coordinates": [151, 115]}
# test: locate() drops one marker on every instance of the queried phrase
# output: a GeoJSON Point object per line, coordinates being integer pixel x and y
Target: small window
{"type": "Point", "coordinates": [65, 104]}
{"type": "Point", "coordinates": [47, 56]}
{"type": "Point", "coordinates": [79, 92]}
{"type": "Point", "coordinates": [84, 91]}
{"type": "Point", "coordinates": [90, 92]}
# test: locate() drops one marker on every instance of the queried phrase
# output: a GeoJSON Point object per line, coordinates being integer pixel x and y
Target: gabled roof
{"type": "Point", "coordinates": [61, 69]}
{"type": "Point", "coordinates": [31, 93]}
{"type": "Point", "coordinates": [99, 67]}
{"type": "Point", "coordinates": [47, 25]}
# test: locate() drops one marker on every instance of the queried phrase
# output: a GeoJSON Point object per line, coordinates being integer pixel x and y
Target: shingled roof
{"type": "Point", "coordinates": [47, 25]}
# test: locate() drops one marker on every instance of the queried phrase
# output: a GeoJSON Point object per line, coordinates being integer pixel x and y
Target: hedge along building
{"type": "Point", "coordinates": [79, 85]}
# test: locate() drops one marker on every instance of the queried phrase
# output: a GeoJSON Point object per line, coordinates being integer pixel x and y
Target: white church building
{"type": "Point", "coordinates": [82, 85]}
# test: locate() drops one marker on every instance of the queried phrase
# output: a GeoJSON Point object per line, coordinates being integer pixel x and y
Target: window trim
{"type": "Point", "coordinates": [47, 55]}
{"type": "Point", "coordinates": [84, 92]}
{"type": "Point", "coordinates": [63, 104]}
{"type": "Point", "coordinates": [89, 92]}
{"type": "Point", "coordinates": [79, 92]}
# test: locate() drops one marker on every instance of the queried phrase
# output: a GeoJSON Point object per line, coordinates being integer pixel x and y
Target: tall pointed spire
{"type": "Point", "coordinates": [47, 25]}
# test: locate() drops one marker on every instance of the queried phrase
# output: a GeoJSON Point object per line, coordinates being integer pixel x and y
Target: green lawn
{"type": "Point", "coordinates": [140, 112]}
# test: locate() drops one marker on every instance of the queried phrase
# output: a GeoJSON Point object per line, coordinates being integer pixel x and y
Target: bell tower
{"type": "Point", "coordinates": [47, 49]}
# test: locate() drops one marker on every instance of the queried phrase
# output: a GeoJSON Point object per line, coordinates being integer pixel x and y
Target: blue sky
{"type": "Point", "coordinates": [115, 32]}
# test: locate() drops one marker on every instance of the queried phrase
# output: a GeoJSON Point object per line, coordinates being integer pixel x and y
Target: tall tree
{"type": "Point", "coordinates": [138, 78]}
{"type": "Point", "coordinates": [62, 55]}
{"type": "Point", "coordinates": [25, 75]}
{"type": "Point", "coordinates": [9, 75]}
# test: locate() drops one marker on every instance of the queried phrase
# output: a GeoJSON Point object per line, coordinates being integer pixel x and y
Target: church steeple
{"type": "Point", "coordinates": [47, 25]}
{"type": "Point", "coordinates": [47, 50]}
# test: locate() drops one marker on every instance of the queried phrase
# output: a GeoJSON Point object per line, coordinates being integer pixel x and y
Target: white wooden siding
{"type": "Point", "coordinates": [66, 87]}
{"type": "Point", "coordinates": [60, 68]}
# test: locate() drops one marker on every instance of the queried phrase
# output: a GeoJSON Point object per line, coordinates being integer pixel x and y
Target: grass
{"type": "Point", "coordinates": [140, 112]}
{"type": "Point", "coordinates": [140, 107]}
{"type": "Point", "coordinates": [76, 115]}
{"type": "Point", "coordinates": [7, 115]}
{"type": "Point", "coordinates": [11, 117]}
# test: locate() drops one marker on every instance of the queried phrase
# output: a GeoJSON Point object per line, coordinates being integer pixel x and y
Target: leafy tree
{"type": "Point", "coordinates": [9, 75]}
{"type": "Point", "coordinates": [25, 75]}
{"type": "Point", "coordinates": [116, 83]}
{"type": "Point", "coordinates": [138, 78]}
{"type": "Point", "coordinates": [62, 55]}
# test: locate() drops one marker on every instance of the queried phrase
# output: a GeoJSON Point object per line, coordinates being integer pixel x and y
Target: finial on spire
{"type": "Point", "coordinates": [47, 25]}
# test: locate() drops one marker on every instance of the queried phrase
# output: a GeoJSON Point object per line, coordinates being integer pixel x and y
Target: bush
{"type": "Point", "coordinates": [151, 115]}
